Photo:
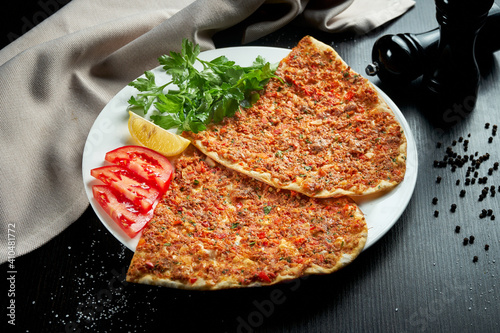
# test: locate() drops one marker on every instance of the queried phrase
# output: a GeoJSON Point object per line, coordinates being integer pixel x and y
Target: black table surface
{"type": "Point", "coordinates": [419, 277]}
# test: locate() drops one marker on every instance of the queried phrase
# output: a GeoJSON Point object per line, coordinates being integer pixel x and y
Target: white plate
{"type": "Point", "coordinates": [110, 131]}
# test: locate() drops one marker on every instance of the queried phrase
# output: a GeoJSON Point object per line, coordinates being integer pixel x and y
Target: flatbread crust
{"type": "Point", "coordinates": [321, 130]}
{"type": "Point", "coordinates": [216, 228]}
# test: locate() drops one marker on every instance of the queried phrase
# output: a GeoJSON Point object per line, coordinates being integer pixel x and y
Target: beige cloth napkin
{"type": "Point", "coordinates": [56, 78]}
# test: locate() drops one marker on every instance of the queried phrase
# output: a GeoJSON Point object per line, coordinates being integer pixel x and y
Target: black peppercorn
{"type": "Point", "coordinates": [462, 193]}
{"type": "Point", "coordinates": [490, 139]}
{"type": "Point", "coordinates": [438, 179]}
{"type": "Point", "coordinates": [486, 247]}
{"type": "Point", "coordinates": [492, 217]}
{"type": "Point", "coordinates": [471, 239]}
{"type": "Point", "coordinates": [453, 208]}
{"type": "Point", "coordinates": [436, 213]}
{"type": "Point", "coordinates": [434, 200]}
{"type": "Point", "coordinates": [457, 229]}
{"type": "Point", "coordinates": [466, 241]}
{"type": "Point", "coordinates": [458, 182]}
{"type": "Point", "coordinates": [475, 259]}
{"type": "Point", "coordinates": [487, 125]}
{"type": "Point", "coordinates": [490, 212]}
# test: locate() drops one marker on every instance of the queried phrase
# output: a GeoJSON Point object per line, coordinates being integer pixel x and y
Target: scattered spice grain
{"type": "Point", "coordinates": [453, 208]}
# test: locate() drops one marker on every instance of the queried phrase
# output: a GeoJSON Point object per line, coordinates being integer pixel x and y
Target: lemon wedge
{"type": "Point", "coordinates": [154, 137]}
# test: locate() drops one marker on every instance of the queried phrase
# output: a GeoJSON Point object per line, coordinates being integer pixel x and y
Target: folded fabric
{"type": "Point", "coordinates": [357, 16]}
{"type": "Point", "coordinates": [57, 77]}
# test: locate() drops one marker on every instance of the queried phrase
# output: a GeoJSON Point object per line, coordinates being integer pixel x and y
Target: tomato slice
{"type": "Point", "coordinates": [128, 184]}
{"type": "Point", "coordinates": [121, 210]}
{"type": "Point", "coordinates": [149, 164]}
{"type": "Point", "coordinates": [264, 277]}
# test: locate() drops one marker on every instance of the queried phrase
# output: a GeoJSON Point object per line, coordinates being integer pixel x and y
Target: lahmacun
{"type": "Point", "coordinates": [319, 129]}
{"type": "Point", "coordinates": [216, 228]}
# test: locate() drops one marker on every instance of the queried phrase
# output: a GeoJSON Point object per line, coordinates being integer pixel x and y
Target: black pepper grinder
{"type": "Point", "coordinates": [451, 83]}
{"type": "Point", "coordinates": [401, 58]}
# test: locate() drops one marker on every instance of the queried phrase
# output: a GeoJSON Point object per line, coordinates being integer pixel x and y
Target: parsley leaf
{"type": "Point", "coordinates": [149, 91]}
{"type": "Point", "coordinates": [203, 96]}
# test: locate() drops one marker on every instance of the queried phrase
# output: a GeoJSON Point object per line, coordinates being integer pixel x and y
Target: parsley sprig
{"type": "Point", "coordinates": [201, 96]}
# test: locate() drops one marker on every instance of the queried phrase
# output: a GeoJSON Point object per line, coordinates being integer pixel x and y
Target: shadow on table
{"type": "Point", "coordinates": [412, 97]}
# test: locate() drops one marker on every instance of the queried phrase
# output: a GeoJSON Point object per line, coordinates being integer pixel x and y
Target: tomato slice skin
{"type": "Point", "coordinates": [149, 164]}
{"type": "Point", "coordinates": [121, 210]}
{"type": "Point", "coordinates": [264, 277]}
{"type": "Point", "coordinates": [128, 184]}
